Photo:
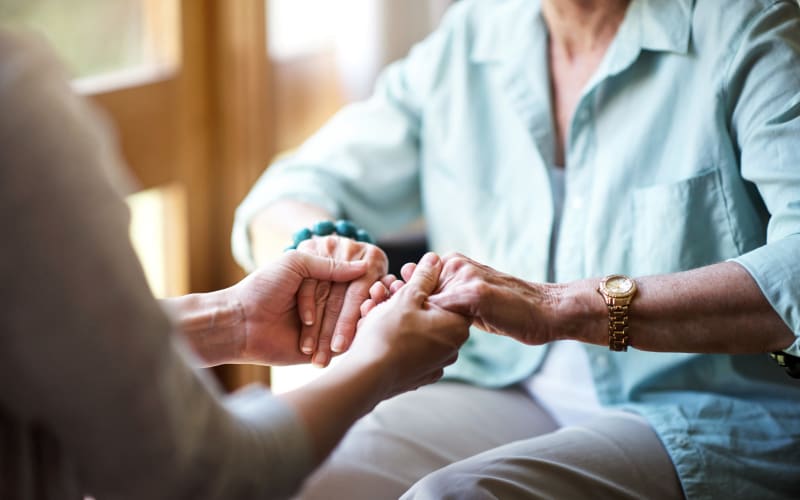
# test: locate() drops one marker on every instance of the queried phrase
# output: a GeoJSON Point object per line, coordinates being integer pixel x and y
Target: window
{"type": "Point", "coordinates": [98, 37]}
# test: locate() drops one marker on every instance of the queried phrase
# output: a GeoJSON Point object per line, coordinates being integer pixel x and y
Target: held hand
{"type": "Point", "coordinates": [330, 311]}
{"type": "Point", "coordinates": [270, 302]}
{"type": "Point", "coordinates": [497, 302]}
{"type": "Point", "coordinates": [407, 340]}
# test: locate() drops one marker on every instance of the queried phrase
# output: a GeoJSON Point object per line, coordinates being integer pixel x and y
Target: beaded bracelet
{"type": "Point", "coordinates": [325, 228]}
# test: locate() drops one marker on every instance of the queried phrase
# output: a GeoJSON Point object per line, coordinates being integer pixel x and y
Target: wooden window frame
{"type": "Point", "coordinates": [206, 126]}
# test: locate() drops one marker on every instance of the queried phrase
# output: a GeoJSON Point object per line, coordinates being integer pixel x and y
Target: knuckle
{"type": "Point", "coordinates": [307, 289]}
{"type": "Point", "coordinates": [476, 288]}
{"type": "Point", "coordinates": [322, 291]}
{"type": "Point", "coordinates": [451, 256]}
{"type": "Point", "coordinates": [330, 243]}
{"type": "Point", "coordinates": [456, 263]}
{"type": "Point", "coordinates": [418, 295]}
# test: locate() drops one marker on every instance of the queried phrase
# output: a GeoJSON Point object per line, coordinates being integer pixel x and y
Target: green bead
{"type": "Point", "coordinates": [346, 228]}
{"type": "Point", "coordinates": [301, 236]}
{"type": "Point", "coordinates": [364, 236]}
{"type": "Point", "coordinates": [324, 228]}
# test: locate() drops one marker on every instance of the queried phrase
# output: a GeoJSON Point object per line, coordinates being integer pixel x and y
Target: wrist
{"type": "Point", "coordinates": [214, 324]}
{"type": "Point", "coordinates": [581, 313]}
{"type": "Point", "coordinates": [366, 381]}
{"type": "Point", "coordinates": [273, 227]}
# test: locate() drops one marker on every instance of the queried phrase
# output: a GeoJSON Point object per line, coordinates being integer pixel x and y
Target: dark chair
{"type": "Point", "coordinates": [408, 247]}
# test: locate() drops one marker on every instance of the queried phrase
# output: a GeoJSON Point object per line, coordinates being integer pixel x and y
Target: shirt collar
{"type": "Point", "coordinates": [660, 25]}
{"type": "Point", "coordinates": [655, 25]}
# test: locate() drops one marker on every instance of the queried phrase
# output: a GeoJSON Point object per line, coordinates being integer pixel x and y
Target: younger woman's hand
{"type": "Point", "coordinates": [270, 300]}
{"type": "Point", "coordinates": [406, 339]}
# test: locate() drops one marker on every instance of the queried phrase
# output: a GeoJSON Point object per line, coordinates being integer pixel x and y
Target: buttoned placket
{"type": "Point", "coordinates": [580, 151]}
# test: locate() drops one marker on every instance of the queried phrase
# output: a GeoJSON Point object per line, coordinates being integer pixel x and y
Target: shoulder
{"type": "Point", "coordinates": [23, 54]}
{"type": "Point", "coordinates": [29, 74]}
{"type": "Point", "coordinates": [729, 24]}
{"type": "Point", "coordinates": [731, 39]}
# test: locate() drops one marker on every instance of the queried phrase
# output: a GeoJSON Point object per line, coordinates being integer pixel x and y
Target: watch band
{"type": "Point", "coordinates": [618, 292]}
{"type": "Point", "coordinates": [617, 326]}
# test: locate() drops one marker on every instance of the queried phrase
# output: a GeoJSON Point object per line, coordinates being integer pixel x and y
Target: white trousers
{"type": "Point", "coordinates": [456, 441]}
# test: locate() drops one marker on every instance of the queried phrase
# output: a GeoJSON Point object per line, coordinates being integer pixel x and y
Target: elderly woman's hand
{"type": "Point", "coordinates": [499, 303]}
{"type": "Point", "coordinates": [496, 302]}
{"type": "Point", "coordinates": [330, 311]}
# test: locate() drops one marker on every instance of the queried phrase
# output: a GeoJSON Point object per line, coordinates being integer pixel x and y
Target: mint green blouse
{"type": "Point", "coordinates": [684, 151]}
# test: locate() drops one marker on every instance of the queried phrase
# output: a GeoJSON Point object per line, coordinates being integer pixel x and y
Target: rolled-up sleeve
{"type": "Point", "coordinates": [364, 163]}
{"type": "Point", "coordinates": [764, 95]}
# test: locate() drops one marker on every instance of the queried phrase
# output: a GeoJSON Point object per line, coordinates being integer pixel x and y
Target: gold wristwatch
{"type": "Point", "coordinates": [618, 292]}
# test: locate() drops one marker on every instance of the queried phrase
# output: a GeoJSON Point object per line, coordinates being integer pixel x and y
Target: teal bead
{"type": "Point", "coordinates": [346, 228]}
{"type": "Point", "coordinates": [324, 228]}
{"type": "Point", "coordinates": [301, 236]}
{"type": "Point", "coordinates": [364, 236]}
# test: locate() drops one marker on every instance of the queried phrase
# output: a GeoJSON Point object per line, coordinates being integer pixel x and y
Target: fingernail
{"type": "Point", "coordinates": [320, 359]}
{"type": "Point", "coordinates": [430, 259]}
{"type": "Point", "coordinates": [308, 346]}
{"type": "Point", "coordinates": [308, 318]}
{"type": "Point", "coordinates": [338, 343]}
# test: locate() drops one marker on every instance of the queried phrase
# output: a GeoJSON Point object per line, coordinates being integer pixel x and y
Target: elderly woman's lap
{"type": "Point", "coordinates": [460, 441]}
{"type": "Point", "coordinates": [616, 456]}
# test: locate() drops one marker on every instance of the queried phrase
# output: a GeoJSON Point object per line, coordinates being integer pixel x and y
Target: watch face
{"type": "Point", "coordinates": [618, 286]}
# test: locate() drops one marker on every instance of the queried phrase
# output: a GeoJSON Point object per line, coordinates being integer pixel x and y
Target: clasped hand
{"type": "Point", "coordinates": [405, 342]}
{"type": "Point", "coordinates": [329, 286]}
{"type": "Point", "coordinates": [494, 301]}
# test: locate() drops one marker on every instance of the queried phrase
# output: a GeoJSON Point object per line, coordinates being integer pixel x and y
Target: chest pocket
{"type": "Point", "coordinates": [681, 225]}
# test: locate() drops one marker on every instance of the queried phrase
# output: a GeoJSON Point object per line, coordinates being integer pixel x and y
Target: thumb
{"type": "Point", "coordinates": [426, 276]}
{"type": "Point", "coordinates": [329, 269]}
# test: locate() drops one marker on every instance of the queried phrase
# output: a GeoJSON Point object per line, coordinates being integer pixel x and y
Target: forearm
{"type": "Point", "coordinates": [271, 231]}
{"type": "Point", "coordinates": [331, 404]}
{"type": "Point", "coordinates": [213, 323]}
{"type": "Point", "coordinates": [714, 309]}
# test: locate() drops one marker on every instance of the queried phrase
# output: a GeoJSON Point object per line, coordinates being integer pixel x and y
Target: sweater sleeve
{"type": "Point", "coordinates": [92, 355]}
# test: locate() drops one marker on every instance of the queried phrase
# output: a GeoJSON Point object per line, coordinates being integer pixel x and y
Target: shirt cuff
{"type": "Point", "coordinates": [776, 269]}
{"type": "Point", "coordinates": [275, 185]}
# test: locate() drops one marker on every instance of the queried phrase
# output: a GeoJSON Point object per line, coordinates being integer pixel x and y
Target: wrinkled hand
{"type": "Point", "coordinates": [407, 338]}
{"type": "Point", "coordinates": [330, 311]}
{"type": "Point", "coordinates": [496, 302]}
{"type": "Point", "coordinates": [269, 299]}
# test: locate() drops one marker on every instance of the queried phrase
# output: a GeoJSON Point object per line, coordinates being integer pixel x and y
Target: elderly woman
{"type": "Point", "coordinates": [651, 142]}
